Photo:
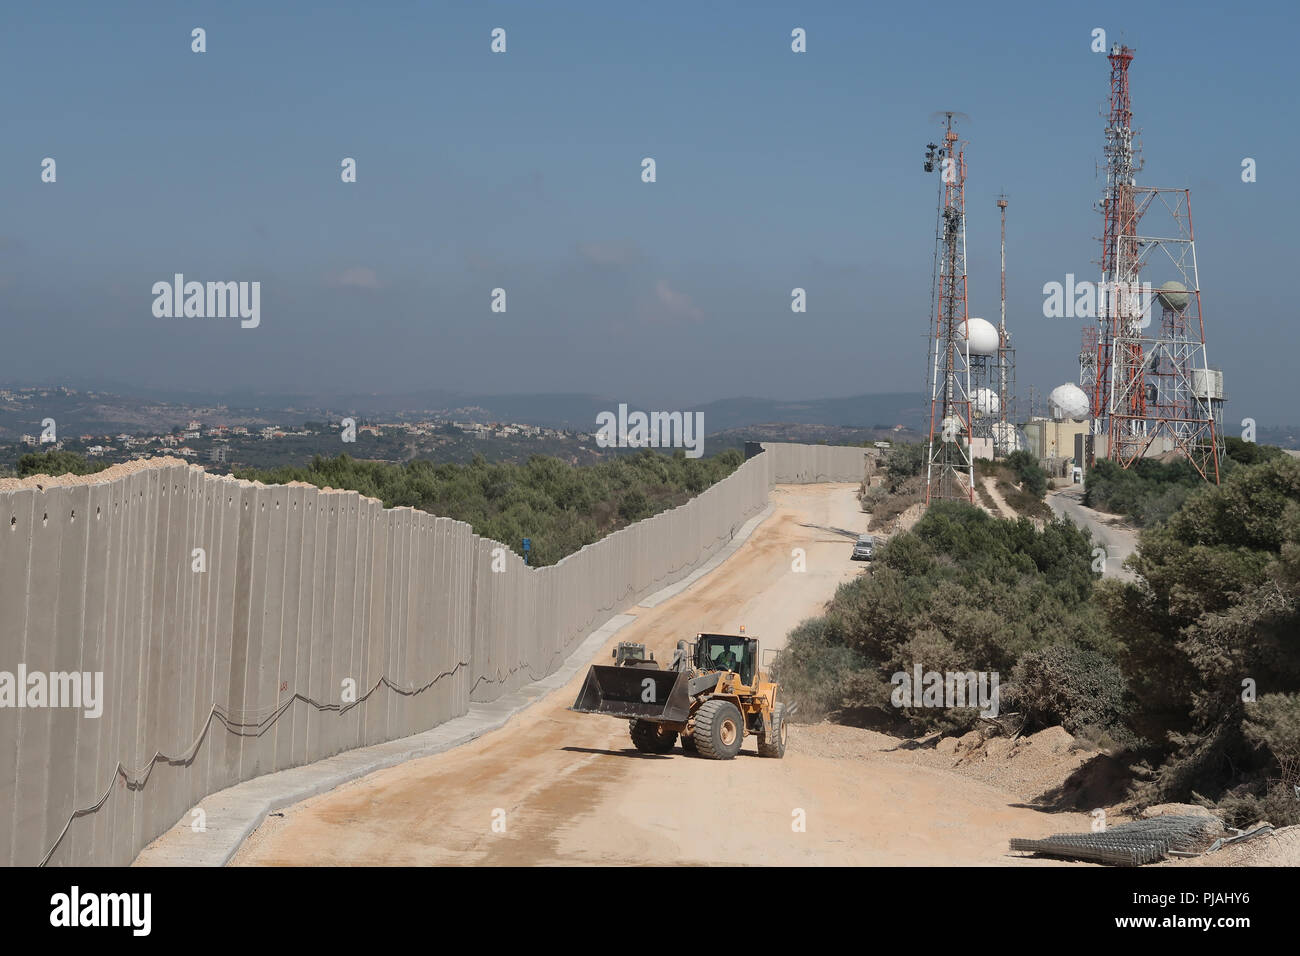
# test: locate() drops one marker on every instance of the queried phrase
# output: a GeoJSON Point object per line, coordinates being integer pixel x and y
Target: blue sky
{"type": "Point", "coordinates": [522, 170]}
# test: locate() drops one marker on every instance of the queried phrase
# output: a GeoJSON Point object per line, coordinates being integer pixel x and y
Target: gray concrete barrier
{"type": "Point", "coordinates": [805, 464]}
{"type": "Point", "coordinates": [318, 622]}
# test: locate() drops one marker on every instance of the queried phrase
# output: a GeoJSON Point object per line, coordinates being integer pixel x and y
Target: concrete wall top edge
{"type": "Point", "coordinates": [151, 467]}
{"type": "Point", "coordinates": [113, 473]}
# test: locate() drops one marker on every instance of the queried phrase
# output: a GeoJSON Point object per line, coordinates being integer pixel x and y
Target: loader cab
{"type": "Point", "coordinates": [715, 652]}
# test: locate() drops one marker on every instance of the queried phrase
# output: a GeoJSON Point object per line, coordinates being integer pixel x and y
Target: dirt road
{"type": "Point", "coordinates": [570, 789]}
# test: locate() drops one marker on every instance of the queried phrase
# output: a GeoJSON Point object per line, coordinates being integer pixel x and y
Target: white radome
{"type": "Point", "coordinates": [982, 338]}
{"type": "Point", "coordinates": [1006, 438]}
{"type": "Point", "coordinates": [1173, 296]}
{"type": "Point", "coordinates": [953, 425]}
{"type": "Point", "coordinates": [1068, 401]}
{"type": "Point", "coordinates": [985, 401]}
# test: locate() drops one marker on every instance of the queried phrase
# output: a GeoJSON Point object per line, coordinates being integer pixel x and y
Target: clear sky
{"type": "Point", "coordinates": [522, 171]}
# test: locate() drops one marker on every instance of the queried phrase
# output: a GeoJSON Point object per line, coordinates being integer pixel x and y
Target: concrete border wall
{"type": "Point", "coordinates": [806, 464]}
{"type": "Point", "coordinates": [320, 622]}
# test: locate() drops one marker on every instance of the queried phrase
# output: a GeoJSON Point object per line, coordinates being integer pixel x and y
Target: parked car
{"type": "Point", "coordinates": [864, 549]}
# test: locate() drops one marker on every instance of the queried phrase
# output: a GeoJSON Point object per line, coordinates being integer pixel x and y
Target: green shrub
{"type": "Point", "coordinates": [1250, 453]}
{"type": "Point", "coordinates": [905, 460]}
{"type": "Point", "coordinates": [1079, 688]}
{"type": "Point", "coordinates": [1218, 601]}
{"type": "Point", "coordinates": [1274, 722]}
{"type": "Point", "coordinates": [824, 676]}
{"type": "Point", "coordinates": [961, 591]}
{"type": "Point", "coordinates": [1148, 491]}
{"type": "Point", "coordinates": [55, 463]}
{"type": "Point", "coordinates": [885, 508]}
{"type": "Point", "coordinates": [1279, 806]}
{"type": "Point", "coordinates": [1032, 478]}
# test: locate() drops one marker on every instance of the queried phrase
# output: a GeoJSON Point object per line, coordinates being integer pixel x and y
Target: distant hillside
{"type": "Point", "coordinates": [579, 411]}
{"type": "Point", "coordinates": [142, 409]}
{"type": "Point", "coordinates": [861, 411]}
{"type": "Point", "coordinates": [1284, 436]}
{"type": "Point", "coordinates": [805, 434]}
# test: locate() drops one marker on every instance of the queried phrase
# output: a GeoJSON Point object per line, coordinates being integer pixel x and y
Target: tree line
{"type": "Point", "coordinates": [560, 507]}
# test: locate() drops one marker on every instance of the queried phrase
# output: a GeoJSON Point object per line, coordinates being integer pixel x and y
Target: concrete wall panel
{"type": "Point", "coordinates": [237, 678]}
{"type": "Point", "coordinates": [290, 608]}
{"type": "Point", "coordinates": [92, 742]}
{"type": "Point", "coordinates": [382, 701]}
{"type": "Point", "coordinates": [16, 536]}
{"type": "Point", "coordinates": [375, 717]}
{"type": "Point", "coordinates": [34, 725]}
{"type": "Point", "coordinates": [362, 558]}
{"type": "Point", "coordinates": [348, 722]}
{"type": "Point", "coordinates": [194, 629]}
{"type": "Point", "coordinates": [270, 626]}
{"type": "Point", "coordinates": [125, 683]}
{"type": "Point", "coordinates": [166, 789]}
{"type": "Point", "coordinates": [254, 703]}
{"type": "Point", "coordinates": [317, 687]}
{"type": "Point", "coordinates": [68, 722]}
{"type": "Point", "coordinates": [332, 676]}
{"type": "Point", "coordinates": [150, 519]}
{"type": "Point", "coordinates": [227, 568]}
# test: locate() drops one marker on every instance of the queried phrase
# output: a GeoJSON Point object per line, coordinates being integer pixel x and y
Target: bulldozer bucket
{"type": "Point", "coordinates": [640, 692]}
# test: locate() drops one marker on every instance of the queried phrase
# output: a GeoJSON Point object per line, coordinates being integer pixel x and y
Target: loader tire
{"type": "Point", "coordinates": [719, 729]}
{"type": "Point", "coordinates": [775, 747]}
{"type": "Point", "coordinates": [688, 744]}
{"type": "Point", "coordinates": [650, 738]}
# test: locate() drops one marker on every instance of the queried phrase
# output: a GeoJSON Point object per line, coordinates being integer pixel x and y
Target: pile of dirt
{"type": "Point", "coordinates": [1035, 768]}
{"type": "Point", "coordinates": [1050, 768]}
{"type": "Point", "coordinates": [41, 482]}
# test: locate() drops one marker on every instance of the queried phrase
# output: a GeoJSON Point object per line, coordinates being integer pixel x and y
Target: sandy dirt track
{"type": "Point", "coordinates": [575, 791]}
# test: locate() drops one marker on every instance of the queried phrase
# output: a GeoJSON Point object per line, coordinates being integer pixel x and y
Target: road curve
{"type": "Point", "coordinates": [555, 787]}
{"type": "Point", "coordinates": [1118, 539]}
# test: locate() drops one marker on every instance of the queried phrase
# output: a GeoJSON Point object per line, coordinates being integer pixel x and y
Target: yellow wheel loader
{"type": "Point", "coordinates": [712, 695]}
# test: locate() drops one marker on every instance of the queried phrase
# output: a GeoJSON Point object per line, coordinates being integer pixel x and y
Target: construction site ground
{"type": "Point", "coordinates": [556, 787]}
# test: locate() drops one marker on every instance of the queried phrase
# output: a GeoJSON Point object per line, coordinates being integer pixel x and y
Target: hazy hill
{"type": "Point", "coordinates": [132, 408]}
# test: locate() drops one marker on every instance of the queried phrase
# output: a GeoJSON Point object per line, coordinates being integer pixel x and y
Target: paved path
{"type": "Point", "coordinates": [1109, 532]}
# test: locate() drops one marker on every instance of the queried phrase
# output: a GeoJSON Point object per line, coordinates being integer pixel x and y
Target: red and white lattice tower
{"type": "Point", "coordinates": [950, 473]}
{"type": "Point", "coordinates": [1150, 386]}
{"type": "Point", "coordinates": [1004, 432]}
{"type": "Point", "coordinates": [1123, 161]}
